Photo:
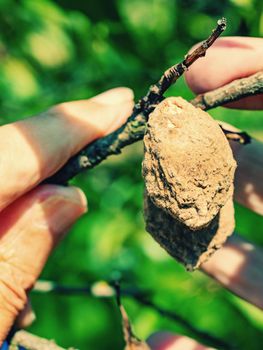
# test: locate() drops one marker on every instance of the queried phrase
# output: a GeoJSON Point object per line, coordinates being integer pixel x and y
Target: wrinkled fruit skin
{"type": "Point", "coordinates": [191, 248]}
{"type": "Point", "coordinates": [188, 170]}
{"type": "Point", "coordinates": [188, 165]}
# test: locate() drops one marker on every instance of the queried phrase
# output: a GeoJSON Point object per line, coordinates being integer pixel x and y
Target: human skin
{"type": "Point", "coordinates": [35, 217]}
{"type": "Point", "coordinates": [238, 264]}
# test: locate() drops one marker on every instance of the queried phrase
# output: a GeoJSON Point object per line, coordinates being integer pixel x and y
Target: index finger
{"type": "Point", "coordinates": [228, 59]}
{"type": "Point", "coordinates": [33, 149]}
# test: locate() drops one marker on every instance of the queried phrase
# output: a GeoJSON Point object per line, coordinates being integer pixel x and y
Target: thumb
{"type": "Point", "coordinates": [30, 228]}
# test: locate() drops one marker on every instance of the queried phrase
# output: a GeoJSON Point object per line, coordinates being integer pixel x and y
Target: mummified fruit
{"type": "Point", "coordinates": [188, 170]}
{"type": "Point", "coordinates": [188, 165]}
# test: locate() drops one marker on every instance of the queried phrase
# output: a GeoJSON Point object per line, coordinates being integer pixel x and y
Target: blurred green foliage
{"type": "Point", "coordinates": [52, 51]}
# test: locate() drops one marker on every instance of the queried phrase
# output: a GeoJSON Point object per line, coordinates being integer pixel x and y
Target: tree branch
{"type": "Point", "coordinates": [131, 340]}
{"type": "Point", "coordinates": [231, 92]}
{"type": "Point", "coordinates": [103, 289]}
{"type": "Point", "coordinates": [133, 130]}
{"type": "Point", "coordinates": [32, 342]}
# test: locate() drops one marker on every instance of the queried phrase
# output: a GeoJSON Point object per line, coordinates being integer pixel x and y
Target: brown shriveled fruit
{"type": "Point", "coordinates": [188, 170]}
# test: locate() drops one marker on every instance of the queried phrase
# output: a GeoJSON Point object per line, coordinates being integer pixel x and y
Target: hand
{"type": "Point", "coordinates": [238, 264]}
{"type": "Point", "coordinates": [35, 217]}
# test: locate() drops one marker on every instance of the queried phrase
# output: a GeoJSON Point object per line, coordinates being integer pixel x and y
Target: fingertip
{"type": "Point", "coordinates": [228, 59]}
{"type": "Point", "coordinates": [118, 115]}
{"type": "Point", "coordinates": [68, 193]}
{"type": "Point", "coordinates": [114, 96]}
{"type": "Point", "coordinates": [75, 198]}
{"type": "Point", "coordinates": [98, 116]}
{"type": "Point", "coordinates": [78, 196]}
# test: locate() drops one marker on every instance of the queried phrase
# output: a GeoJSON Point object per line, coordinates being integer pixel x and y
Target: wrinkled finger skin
{"type": "Point", "coordinates": [30, 228]}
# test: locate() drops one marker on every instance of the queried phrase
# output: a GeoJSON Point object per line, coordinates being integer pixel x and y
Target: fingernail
{"type": "Point", "coordinates": [68, 192]}
{"type": "Point", "coordinates": [114, 96]}
{"type": "Point", "coordinates": [121, 113]}
{"type": "Point", "coordinates": [74, 195]}
{"type": "Point", "coordinates": [61, 209]}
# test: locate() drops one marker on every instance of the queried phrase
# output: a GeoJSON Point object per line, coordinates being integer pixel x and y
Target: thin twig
{"type": "Point", "coordinates": [134, 129]}
{"type": "Point", "coordinates": [98, 289]}
{"type": "Point", "coordinates": [131, 340]}
{"type": "Point", "coordinates": [249, 86]}
{"type": "Point", "coordinates": [231, 92]}
{"type": "Point", "coordinates": [171, 75]}
{"type": "Point", "coordinates": [103, 289]}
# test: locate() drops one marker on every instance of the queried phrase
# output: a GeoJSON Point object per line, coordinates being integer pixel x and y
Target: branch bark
{"type": "Point", "coordinates": [231, 92]}
{"type": "Point", "coordinates": [134, 129]}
